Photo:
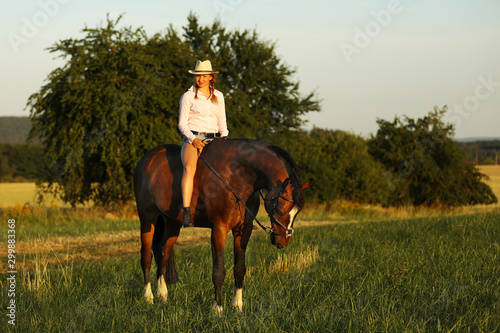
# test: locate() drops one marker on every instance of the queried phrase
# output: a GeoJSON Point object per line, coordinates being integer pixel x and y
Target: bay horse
{"type": "Point", "coordinates": [229, 175]}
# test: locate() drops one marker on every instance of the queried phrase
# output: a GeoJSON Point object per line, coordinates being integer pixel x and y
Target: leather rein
{"type": "Point", "coordinates": [239, 200]}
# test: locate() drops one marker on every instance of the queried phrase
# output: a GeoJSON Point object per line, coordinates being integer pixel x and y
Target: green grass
{"type": "Point", "coordinates": [428, 274]}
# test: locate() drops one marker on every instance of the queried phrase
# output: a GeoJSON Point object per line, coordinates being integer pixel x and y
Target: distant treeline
{"type": "Point", "coordinates": [14, 129]}
{"type": "Point", "coordinates": [481, 152]}
{"type": "Point", "coordinates": [20, 161]}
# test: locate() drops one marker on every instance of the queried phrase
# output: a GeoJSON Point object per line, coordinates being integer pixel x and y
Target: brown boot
{"type": "Point", "coordinates": [187, 220]}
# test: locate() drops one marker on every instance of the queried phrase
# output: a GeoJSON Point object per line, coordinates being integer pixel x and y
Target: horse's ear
{"type": "Point", "coordinates": [306, 184]}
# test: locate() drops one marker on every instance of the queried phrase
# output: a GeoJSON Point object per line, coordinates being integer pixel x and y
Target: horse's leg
{"type": "Point", "coordinates": [166, 264]}
{"type": "Point", "coordinates": [241, 238]}
{"type": "Point", "coordinates": [218, 241]}
{"type": "Point", "coordinates": [147, 232]}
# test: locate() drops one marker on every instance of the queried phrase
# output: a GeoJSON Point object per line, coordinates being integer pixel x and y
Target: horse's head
{"type": "Point", "coordinates": [283, 204]}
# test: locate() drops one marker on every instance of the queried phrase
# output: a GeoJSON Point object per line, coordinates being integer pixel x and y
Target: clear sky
{"type": "Point", "coordinates": [366, 59]}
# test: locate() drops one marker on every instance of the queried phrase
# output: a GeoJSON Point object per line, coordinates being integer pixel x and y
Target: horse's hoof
{"type": "Point", "coordinates": [238, 299]}
{"type": "Point", "coordinates": [162, 289]}
{"type": "Point", "coordinates": [162, 296]}
{"type": "Point", "coordinates": [217, 309]}
{"type": "Point", "coordinates": [148, 295]}
{"type": "Point", "coordinates": [239, 308]}
{"type": "Point", "coordinates": [149, 299]}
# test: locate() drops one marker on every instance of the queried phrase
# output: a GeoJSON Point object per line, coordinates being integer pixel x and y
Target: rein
{"type": "Point", "coordinates": [239, 200]}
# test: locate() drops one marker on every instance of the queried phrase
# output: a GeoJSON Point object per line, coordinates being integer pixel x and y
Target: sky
{"type": "Point", "coordinates": [364, 59]}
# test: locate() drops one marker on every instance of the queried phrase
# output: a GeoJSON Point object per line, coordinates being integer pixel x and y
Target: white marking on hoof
{"type": "Point", "coordinates": [238, 299]}
{"type": "Point", "coordinates": [217, 309]}
{"type": "Point", "coordinates": [148, 294]}
{"type": "Point", "coordinates": [162, 289]}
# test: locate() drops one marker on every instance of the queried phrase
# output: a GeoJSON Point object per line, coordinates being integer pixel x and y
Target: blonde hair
{"type": "Point", "coordinates": [213, 98]}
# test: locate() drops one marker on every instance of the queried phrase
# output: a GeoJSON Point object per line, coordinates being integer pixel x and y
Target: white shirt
{"type": "Point", "coordinates": [201, 115]}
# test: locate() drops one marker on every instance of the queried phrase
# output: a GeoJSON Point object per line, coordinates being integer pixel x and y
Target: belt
{"type": "Point", "coordinates": [207, 135]}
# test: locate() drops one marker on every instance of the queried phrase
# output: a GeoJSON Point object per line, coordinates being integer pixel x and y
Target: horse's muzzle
{"type": "Point", "coordinates": [276, 243]}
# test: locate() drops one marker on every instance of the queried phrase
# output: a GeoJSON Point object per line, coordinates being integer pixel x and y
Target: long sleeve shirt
{"type": "Point", "coordinates": [201, 115]}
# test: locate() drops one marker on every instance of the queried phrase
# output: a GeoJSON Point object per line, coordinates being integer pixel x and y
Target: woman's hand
{"type": "Point", "coordinates": [198, 143]}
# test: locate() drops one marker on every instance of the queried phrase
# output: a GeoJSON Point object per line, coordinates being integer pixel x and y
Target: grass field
{"type": "Point", "coordinates": [361, 270]}
{"type": "Point", "coordinates": [424, 274]}
{"type": "Point", "coordinates": [493, 171]}
{"type": "Point", "coordinates": [18, 194]}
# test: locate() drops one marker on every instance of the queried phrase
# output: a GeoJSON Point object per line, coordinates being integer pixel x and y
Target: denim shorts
{"type": "Point", "coordinates": [201, 137]}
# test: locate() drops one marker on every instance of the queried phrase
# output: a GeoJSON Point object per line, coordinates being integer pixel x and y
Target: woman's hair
{"type": "Point", "coordinates": [214, 98]}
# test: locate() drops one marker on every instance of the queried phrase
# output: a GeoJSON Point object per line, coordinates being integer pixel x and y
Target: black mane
{"type": "Point", "coordinates": [290, 164]}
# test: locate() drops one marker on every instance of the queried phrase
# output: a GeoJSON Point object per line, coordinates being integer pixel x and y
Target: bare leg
{"type": "Point", "coordinates": [189, 156]}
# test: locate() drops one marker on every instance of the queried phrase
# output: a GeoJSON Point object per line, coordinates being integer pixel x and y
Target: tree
{"type": "Point", "coordinates": [261, 99]}
{"type": "Point", "coordinates": [341, 166]}
{"type": "Point", "coordinates": [427, 167]}
{"type": "Point", "coordinates": [118, 94]}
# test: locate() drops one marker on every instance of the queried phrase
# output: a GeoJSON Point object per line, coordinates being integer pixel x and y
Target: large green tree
{"type": "Point", "coordinates": [118, 96]}
{"type": "Point", "coordinates": [426, 166]}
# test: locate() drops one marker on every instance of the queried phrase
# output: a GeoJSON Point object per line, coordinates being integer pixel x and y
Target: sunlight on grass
{"type": "Point", "coordinates": [295, 261]}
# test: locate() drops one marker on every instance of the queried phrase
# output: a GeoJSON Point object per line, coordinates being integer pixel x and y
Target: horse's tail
{"type": "Point", "coordinates": [171, 276]}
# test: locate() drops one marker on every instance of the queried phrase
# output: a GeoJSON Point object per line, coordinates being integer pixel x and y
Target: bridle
{"type": "Point", "coordinates": [275, 198]}
{"type": "Point", "coordinates": [239, 200]}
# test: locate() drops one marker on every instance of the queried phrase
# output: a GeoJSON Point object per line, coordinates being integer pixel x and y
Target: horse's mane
{"type": "Point", "coordinates": [290, 164]}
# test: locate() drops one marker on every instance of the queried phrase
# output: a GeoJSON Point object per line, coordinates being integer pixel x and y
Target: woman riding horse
{"type": "Point", "coordinates": [227, 179]}
{"type": "Point", "coordinates": [202, 117]}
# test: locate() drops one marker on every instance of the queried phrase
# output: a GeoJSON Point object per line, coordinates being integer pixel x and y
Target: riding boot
{"type": "Point", "coordinates": [187, 220]}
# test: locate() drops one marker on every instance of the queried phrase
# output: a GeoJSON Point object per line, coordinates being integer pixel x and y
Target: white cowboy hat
{"type": "Point", "coordinates": [203, 68]}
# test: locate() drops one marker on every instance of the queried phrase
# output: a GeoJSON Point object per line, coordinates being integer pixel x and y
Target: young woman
{"type": "Point", "coordinates": [202, 117]}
